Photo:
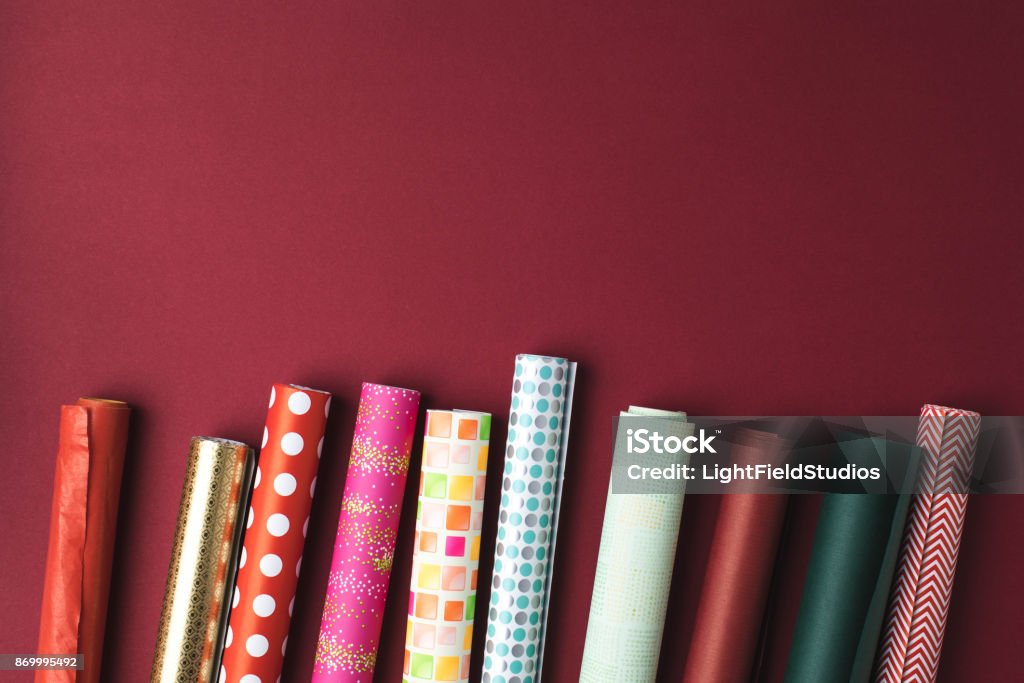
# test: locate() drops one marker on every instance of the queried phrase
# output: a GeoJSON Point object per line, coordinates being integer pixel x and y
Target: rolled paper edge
{"type": "Point", "coordinates": [864, 658]}
{"type": "Point", "coordinates": [299, 387]}
{"type": "Point", "coordinates": [108, 441]}
{"type": "Point", "coordinates": [389, 386]}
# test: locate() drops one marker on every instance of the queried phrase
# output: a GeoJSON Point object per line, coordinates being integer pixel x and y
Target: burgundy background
{"type": "Point", "coordinates": [732, 209]}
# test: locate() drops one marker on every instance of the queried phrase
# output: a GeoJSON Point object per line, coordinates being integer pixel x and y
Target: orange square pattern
{"type": "Point", "coordinates": [460, 487]}
{"type": "Point", "coordinates": [458, 520]}
{"type": "Point", "coordinates": [428, 541]}
{"type": "Point", "coordinates": [453, 610]}
{"type": "Point", "coordinates": [446, 669]}
{"type": "Point", "coordinates": [440, 424]}
{"type": "Point", "coordinates": [467, 429]}
{"type": "Point", "coordinates": [474, 548]}
{"type": "Point", "coordinates": [426, 606]}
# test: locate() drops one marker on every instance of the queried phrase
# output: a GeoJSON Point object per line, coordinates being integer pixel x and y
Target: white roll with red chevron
{"type": "Point", "coordinates": [919, 602]}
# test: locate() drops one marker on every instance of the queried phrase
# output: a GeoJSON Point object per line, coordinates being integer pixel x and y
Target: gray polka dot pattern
{"type": "Point", "coordinates": [538, 428]}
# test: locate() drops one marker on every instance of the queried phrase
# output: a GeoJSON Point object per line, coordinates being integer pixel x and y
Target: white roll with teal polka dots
{"type": "Point", "coordinates": [538, 433]}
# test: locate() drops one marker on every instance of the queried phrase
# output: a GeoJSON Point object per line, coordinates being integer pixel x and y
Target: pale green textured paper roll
{"type": "Point", "coordinates": [634, 572]}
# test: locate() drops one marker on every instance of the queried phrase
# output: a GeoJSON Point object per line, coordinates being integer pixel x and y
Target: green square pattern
{"type": "Point", "coordinates": [422, 666]}
{"type": "Point", "coordinates": [435, 485]}
{"type": "Point", "coordinates": [485, 427]}
{"type": "Point", "coordinates": [470, 607]}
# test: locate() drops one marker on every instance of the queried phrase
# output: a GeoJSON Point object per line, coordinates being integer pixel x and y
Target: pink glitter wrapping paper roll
{"type": "Point", "coordinates": [367, 529]}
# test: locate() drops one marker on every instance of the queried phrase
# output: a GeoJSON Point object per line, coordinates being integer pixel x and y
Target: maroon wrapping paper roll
{"type": "Point", "coordinates": [738, 575]}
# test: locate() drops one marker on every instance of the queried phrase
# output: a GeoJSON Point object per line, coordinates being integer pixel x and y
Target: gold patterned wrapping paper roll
{"type": "Point", "coordinates": [204, 560]}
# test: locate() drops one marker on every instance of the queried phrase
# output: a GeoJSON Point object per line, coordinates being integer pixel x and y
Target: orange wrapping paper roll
{"type": "Point", "coordinates": [83, 522]}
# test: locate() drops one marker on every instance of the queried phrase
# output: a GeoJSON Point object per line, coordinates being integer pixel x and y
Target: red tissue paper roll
{"type": "Point", "coordinates": [83, 523]}
{"type": "Point", "coordinates": [730, 615]}
{"type": "Point", "coordinates": [257, 634]}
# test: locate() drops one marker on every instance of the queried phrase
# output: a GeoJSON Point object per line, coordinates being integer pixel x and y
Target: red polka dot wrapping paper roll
{"type": "Point", "coordinates": [446, 553]}
{"type": "Point", "coordinates": [367, 529]}
{"type": "Point", "coordinates": [919, 603]}
{"type": "Point", "coordinates": [262, 601]}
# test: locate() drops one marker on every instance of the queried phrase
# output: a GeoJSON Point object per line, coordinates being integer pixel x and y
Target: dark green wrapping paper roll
{"type": "Point", "coordinates": [864, 660]}
{"type": "Point", "coordinates": [851, 568]}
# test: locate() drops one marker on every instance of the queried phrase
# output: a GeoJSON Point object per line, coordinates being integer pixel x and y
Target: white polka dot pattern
{"type": "Point", "coordinates": [287, 467]}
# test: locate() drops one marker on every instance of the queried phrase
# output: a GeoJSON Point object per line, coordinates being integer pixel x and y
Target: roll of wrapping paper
{"type": "Point", "coordinates": [83, 522]}
{"type": "Point", "coordinates": [268, 568]}
{"type": "Point", "coordinates": [849, 574]}
{"type": "Point", "coordinates": [446, 554]}
{"type": "Point", "coordinates": [535, 454]}
{"type": "Point", "coordinates": [204, 559]}
{"type": "Point", "coordinates": [919, 604]}
{"type": "Point", "coordinates": [365, 544]}
{"type": "Point", "coordinates": [730, 615]}
{"type": "Point", "coordinates": [634, 572]}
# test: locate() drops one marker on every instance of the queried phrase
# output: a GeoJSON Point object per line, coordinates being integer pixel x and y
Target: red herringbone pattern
{"type": "Point", "coordinates": [919, 603]}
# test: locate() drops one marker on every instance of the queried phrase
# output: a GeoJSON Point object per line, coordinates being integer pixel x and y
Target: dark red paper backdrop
{"type": "Point", "coordinates": [797, 209]}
